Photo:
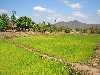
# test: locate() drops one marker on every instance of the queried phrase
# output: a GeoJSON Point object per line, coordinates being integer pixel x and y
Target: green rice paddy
{"type": "Point", "coordinates": [73, 48]}
{"type": "Point", "coordinates": [17, 61]}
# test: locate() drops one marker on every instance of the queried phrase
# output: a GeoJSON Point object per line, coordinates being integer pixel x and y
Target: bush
{"type": "Point", "coordinates": [67, 30]}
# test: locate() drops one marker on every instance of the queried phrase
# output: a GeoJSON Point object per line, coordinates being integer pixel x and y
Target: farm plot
{"type": "Point", "coordinates": [73, 48]}
{"type": "Point", "coordinates": [17, 61]}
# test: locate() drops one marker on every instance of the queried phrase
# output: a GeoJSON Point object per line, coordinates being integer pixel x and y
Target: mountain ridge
{"type": "Point", "coordinates": [75, 23]}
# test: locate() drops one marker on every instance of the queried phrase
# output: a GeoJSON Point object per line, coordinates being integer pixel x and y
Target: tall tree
{"type": "Point", "coordinates": [13, 18]}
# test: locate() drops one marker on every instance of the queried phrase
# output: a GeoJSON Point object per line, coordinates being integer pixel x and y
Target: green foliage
{"type": "Point", "coordinates": [3, 26]}
{"type": "Point", "coordinates": [73, 48]}
{"type": "Point", "coordinates": [84, 30]}
{"type": "Point", "coordinates": [3, 22]}
{"type": "Point", "coordinates": [17, 61]}
{"type": "Point", "coordinates": [43, 27]}
{"type": "Point", "coordinates": [98, 31]}
{"type": "Point", "coordinates": [37, 28]}
{"type": "Point", "coordinates": [67, 30]}
{"type": "Point", "coordinates": [13, 18]}
{"type": "Point", "coordinates": [94, 30]}
{"type": "Point", "coordinates": [25, 22]}
{"type": "Point", "coordinates": [77, 29]}
{"type": "Point", "coordinates": [49, 27]}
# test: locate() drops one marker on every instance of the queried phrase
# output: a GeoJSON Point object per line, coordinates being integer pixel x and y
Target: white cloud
{"type": "Point", "coordinates": [76, 5]}
{"type": "Point", "coordinates": [65, 1]}
{"type": "Point", "coordinates": [39, 8]}
{"type": "Point", "coordinates": [76, 16]}
{"type": "Point", "coordinates": [3, 11]}
{"type": "Point", "coordinates": [98, 11]}
{"type": "Point", "coordinates": [79, 14]}
{"type": "Point", "coordinates": [57, 17]}
{"type": "Point", "coordinates": [36, 15]}
{"type": "Point", "coordinates": [49, 10]}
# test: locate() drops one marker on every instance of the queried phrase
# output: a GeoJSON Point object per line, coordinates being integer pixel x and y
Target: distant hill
{"type": "Point", "coordinates": [75, 23]}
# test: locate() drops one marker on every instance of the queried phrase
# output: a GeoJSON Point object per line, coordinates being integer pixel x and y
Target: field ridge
{"type": "Point", "coordinates": [77, 66]}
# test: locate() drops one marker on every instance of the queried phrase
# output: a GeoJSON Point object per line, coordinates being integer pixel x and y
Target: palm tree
{"type": "Point", "coordinates": [13, 18]}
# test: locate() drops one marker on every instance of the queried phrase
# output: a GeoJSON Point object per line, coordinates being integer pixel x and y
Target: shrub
{"type": "Point", "coordinates": [67, 30]}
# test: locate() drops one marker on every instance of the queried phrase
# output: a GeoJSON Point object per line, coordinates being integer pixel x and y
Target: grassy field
{"type": "Point", "coordinates": [73, 48]}
{"type": "Point", "coordinates": [17, 61]}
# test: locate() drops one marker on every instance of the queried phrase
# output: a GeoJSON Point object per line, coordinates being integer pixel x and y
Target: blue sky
{"type": "Point", "coordinates": [86, 11]}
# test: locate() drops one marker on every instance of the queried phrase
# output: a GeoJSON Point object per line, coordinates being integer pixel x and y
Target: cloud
{"type": "Point", "coordinates": [65, 1]}
{"type": "Point", "coordinates": [57, 17]}
{"type": "Point", "coordinates": [49, 10]}
{"type": "Point", "coordinates": [36, 15]}
{"type": "Point", "coordinates": [75, 16]}
{"type": "Point", "coordinates": [79, 14]}
{"type": "Point", "coordinates": [3, 11]}
{"type": "Point", "coordinates": [76, 5]}
{"type": "Point", "coordinates": [98, 11]}
{"type": "Point", "coordinates": [39, 8]}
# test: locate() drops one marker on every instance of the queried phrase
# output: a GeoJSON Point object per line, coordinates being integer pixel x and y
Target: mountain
{"type": "Point", "coordinates": [75, 23]}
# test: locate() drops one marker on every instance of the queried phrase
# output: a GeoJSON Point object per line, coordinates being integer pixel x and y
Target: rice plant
{"type": "Point", "coordinates": [17, 61]}
{"type": "Point", "coordinates": [73, 48]}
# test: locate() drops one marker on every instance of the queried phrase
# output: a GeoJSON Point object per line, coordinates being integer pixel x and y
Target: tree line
{"type": "Point", "coordinates": [24, 23]}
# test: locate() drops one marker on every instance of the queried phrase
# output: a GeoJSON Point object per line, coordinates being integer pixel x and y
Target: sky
{"type": "Point", "coordinates": [86, 11]}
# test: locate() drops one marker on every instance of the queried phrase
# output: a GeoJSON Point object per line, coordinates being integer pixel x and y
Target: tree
{"type": "Point", "coordinates": [3, 22]}
{"type": "Point", "coordinates": [25, 23]}
{"type": "Point", "coordinates": [49, 27]}
{"type": "Point", "coordinates": [37, 28]}
{"type": "Point", "coordinates": [13, 18]}
{"type": "Point", "coordinates": [3, 26]}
